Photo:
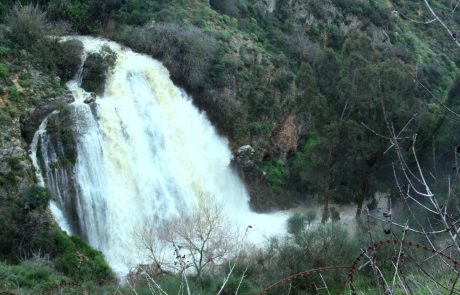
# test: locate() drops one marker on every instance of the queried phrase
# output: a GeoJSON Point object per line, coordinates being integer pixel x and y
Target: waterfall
{"type": "Point", "coordinates": [143, 151]}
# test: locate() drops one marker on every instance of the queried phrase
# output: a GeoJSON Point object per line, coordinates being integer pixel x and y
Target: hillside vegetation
{"type": "Point", "coordinates": [314, 87]}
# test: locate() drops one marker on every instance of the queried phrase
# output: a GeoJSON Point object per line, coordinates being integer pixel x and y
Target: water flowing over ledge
{"type": "Point", "coordinates": [143, 151]}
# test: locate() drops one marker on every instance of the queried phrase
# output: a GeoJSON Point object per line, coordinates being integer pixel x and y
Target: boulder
{"type": "Point", "coordinates": [245, 157]}
{"type": "Point", "coordinates": [33, 117]}
{"type": "Point", "coordinates": [90, 99]}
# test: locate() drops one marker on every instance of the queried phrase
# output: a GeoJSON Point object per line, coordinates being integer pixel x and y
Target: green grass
{"type": "Point", "coordinates": [29, 277]}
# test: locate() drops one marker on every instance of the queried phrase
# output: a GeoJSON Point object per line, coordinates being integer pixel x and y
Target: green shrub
{"type": "Point", "coordinates": [35, 198]}
{"type": "Point", "coordinates": [310, 248]}
{"type": "Point", "coordinates": [25, 79]}
{"type": "Point", "coordinates": [68, 59]}
{"type": "Point", "coordinates": [296, 223]}
{"type": "Point", "coordinates": [276, 173]}
{"type": "Point", "coordinates": [78, 260]}
{"type": "Point", "coordinates": [24, 75]}
{"type": "Point", "coordinates": [13, 93]}
{"type": "Point", "coordinates": [334, 214]}
{"type": "Point", "coordinates": [4, 73]}
{"type": "Point", "coordinates": [25, 224]}
{"type": "Point", "coordinates": [3, 50]}
{"type": "Point", "coordinates": [229, 7]}
{"type": "Point", "coordinates": [25, 83]}
{"type": "Point", "coordinates": [26, 230]}
{"type": "Point", "coordinates": [96, 69]}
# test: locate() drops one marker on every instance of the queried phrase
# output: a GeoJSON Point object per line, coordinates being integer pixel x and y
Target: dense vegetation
{"type": "Point", "coordinates": [334, 77]}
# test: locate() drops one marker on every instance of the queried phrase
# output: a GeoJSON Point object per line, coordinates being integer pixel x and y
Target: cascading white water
{"type": "Point", "coordinates": [146, 152]}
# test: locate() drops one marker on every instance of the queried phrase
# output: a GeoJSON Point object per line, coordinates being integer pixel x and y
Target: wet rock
{"type": "Point", "coordinates": [245, 156]}
{"type": "Point", "coordinates": [94, 110]}
{"type": "Point", "coordinates": [33, 117]}
{"type": "Point", "coordinates": [90, 99]}
{"type": "Point", "coordinates": [262, 196]}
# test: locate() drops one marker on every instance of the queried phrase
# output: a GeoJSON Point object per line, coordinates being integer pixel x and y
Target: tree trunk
{"type": "Point", "coordinates": [362, 196]}
{"type": "Point", "coordinates": [325, 215]}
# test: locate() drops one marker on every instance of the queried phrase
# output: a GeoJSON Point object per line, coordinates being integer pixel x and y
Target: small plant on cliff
{"type": "Point", "coordinates": [4, 73]}
{"type": "Point", "coordinates": [96, 69]}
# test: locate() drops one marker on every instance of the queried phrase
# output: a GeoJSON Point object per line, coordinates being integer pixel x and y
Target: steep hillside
{"type": "Point", "coordinates": [306, 91]}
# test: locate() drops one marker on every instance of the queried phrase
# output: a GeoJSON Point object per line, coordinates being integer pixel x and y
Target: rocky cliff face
{"type": "Point", "coordinates": [36, 100]}
{"type": "Point", "coordinates": [15, 167]}
{"type": "Point", "coordinates": [285, 138]}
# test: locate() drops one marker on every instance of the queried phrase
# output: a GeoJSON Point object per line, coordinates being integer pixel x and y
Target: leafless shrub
{"type": "Point", "coordinates": [229, 7]}
{"type": "Point", "coordinates": [301, 47]}
{"type": "Point", "coordinates": [186, 51]}
{"type": "Point", "coordinates": [27, 23]}
{"type": "Point", "coordinates": [203, 241]}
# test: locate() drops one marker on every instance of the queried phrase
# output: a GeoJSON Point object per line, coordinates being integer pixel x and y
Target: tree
{"type": "Point", "coordinates": [443, 15]}
{"type": "Point", "coordinates": [347, 156]}
{"type": "Point", "coordinates": [203, 240]}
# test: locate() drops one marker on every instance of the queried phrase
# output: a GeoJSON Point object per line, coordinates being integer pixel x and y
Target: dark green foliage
{"type": "Point", "coordinates": [276, 174]}
{"type": "Point", "coordinates": [36, 198]}
{"type": "Point", "coordinates": [334, 214]}
{"type": "Point", "coordinates": [327, 72]}
{"type": "Point", "coordinates": [310, 248]}
{"type": "Point", "coordinates": [447, 135]}
{"type": "Point", "coordinates": [4, 74]}
{"type": "Point", "coordinates": [229, 7]}
{"type": "Point", "coordinates": [27, 230]}
{"type": "Point", "coordinates": [235, 284]}
{"type": "Point", "coordinates": [296, 223]}
{"type": "Point", "coordinates": [79, 261]}
{"type": "Point", "coordinates": [358, 97]}
{"type": "Point", "coordinates": [68, 59]}
{"type": "Point", "coordinates": [96, 69]}
{"type": "Point", "coordinates": [25, 227]}
{"type": "Point", "coordinates": [13, 93]}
